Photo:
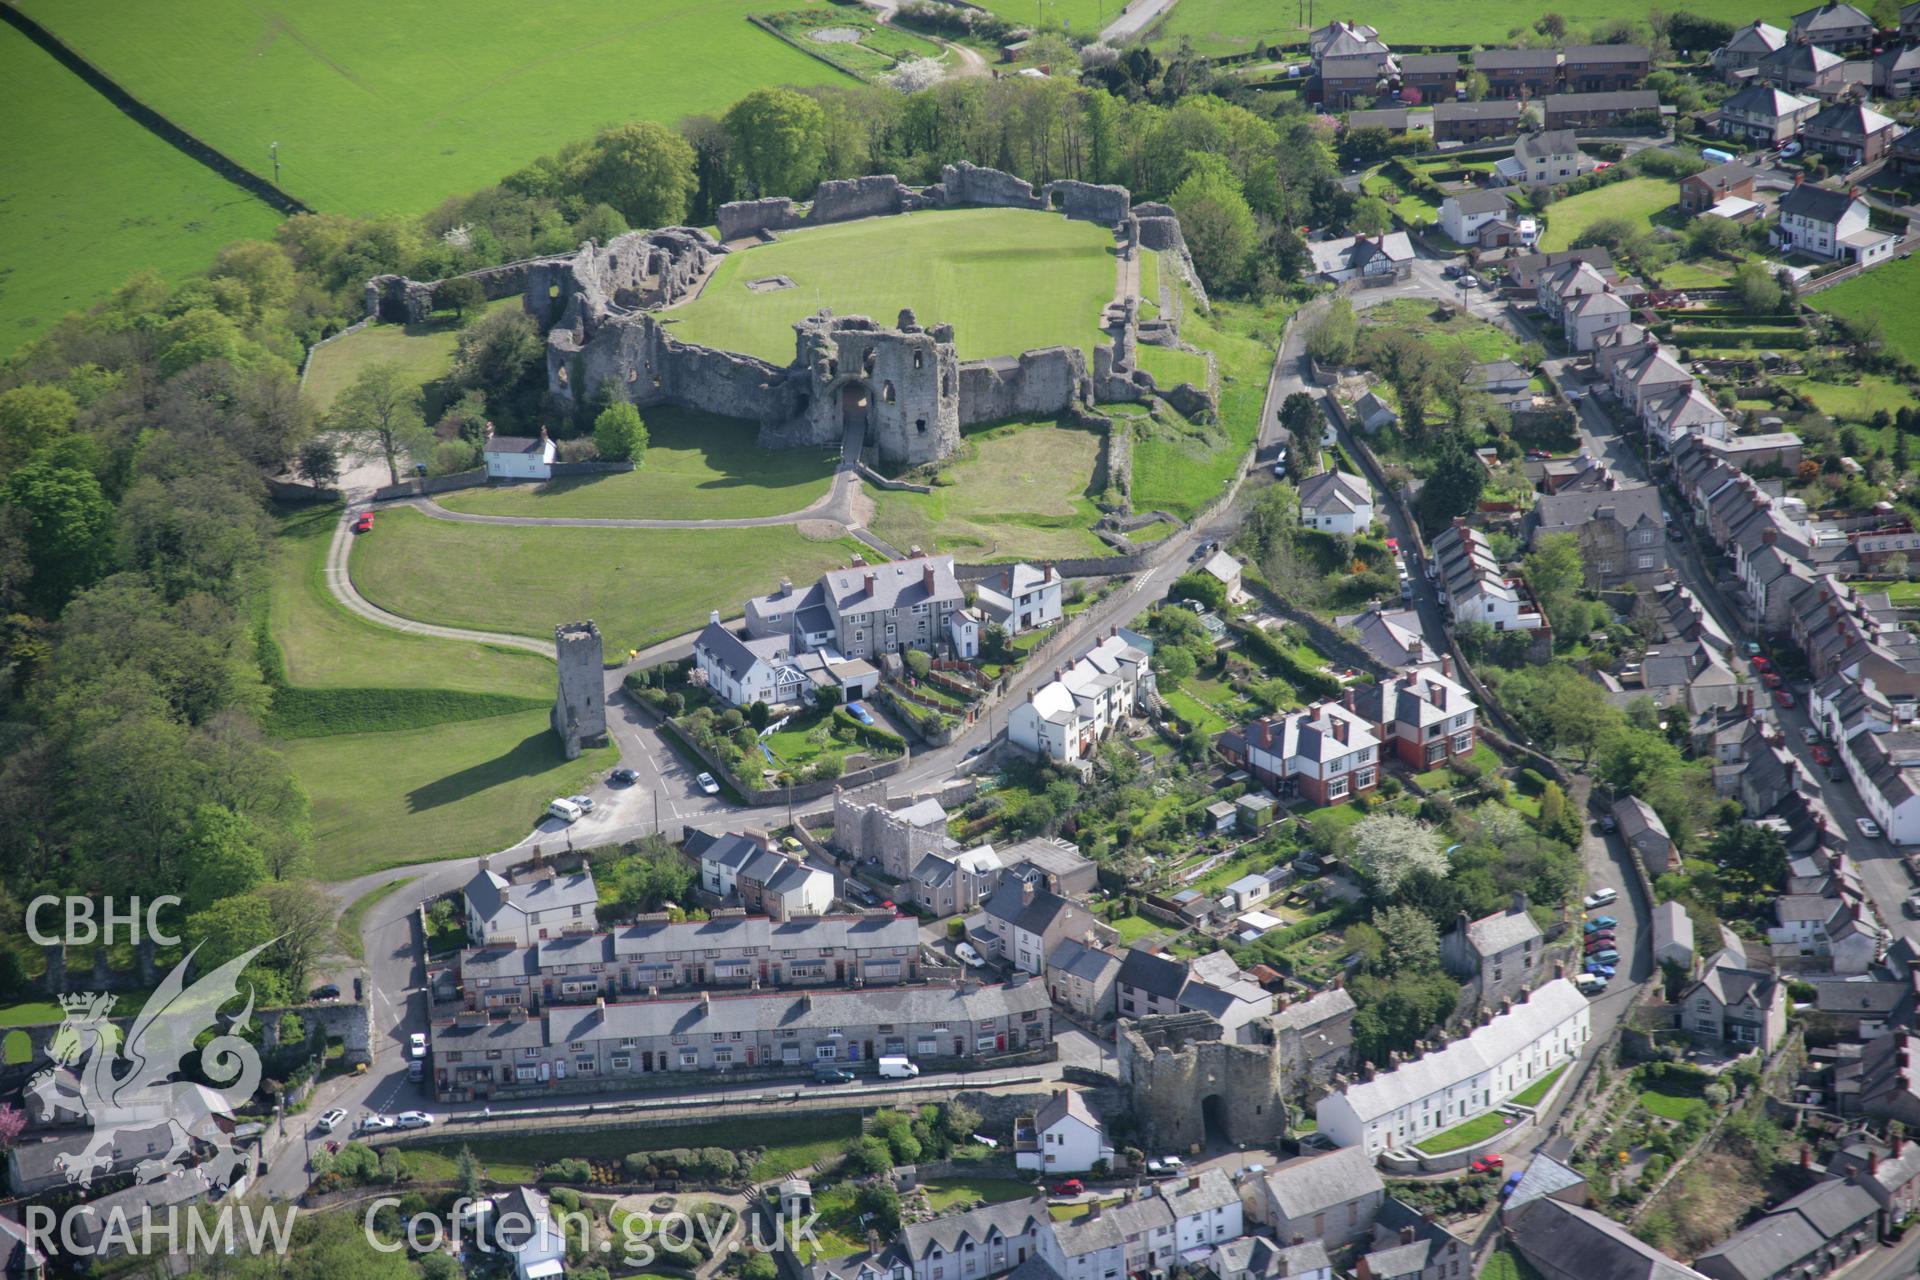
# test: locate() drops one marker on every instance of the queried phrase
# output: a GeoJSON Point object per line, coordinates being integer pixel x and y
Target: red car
{"type": "Point", "coordinates": [1539, 455]}
{"type": "Point", "coordinates": [1822, 756]}
{"type": "Point", "coordinates": [1772, 680]}
{"type": "Point", "coordinates": [1071, 1187]}
{"type": "Point", "coordinates": [1393, 545]}
{"type": "Point", "coordinates": [1489, 1164]}
{"type": "Point", "coordinates": [365, 523]}
{"type": "Point", "coordinates": [1782, 697]}
{"type": "Point", "coordinates": [1759, 663]}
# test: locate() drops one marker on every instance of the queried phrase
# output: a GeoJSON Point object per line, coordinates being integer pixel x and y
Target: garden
{"type": "Point", "coordinates": [850, 39]}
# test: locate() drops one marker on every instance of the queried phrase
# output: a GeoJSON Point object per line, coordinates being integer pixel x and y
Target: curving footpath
{"type": "Point", "coordinates": [835, 505]}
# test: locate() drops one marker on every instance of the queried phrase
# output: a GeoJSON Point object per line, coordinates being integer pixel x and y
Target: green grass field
{"type": "Point", "coordinates": [1465, 1134]}
{"type": "Point", "coordinates": [1532, 1095]}
{"type": "Point", "coordinates": [1636, 200]}
{"type": "Point", "coordinates": [1857, 402]}
{"type": "Point", "coordinates": [423, 351]}
{"type": "Point", "coordinates": [945, 1193]}
{"type": "Point", "coordinates": [786, 1143]}
{"type": "Point", "coordinates": [1886, 291]}
{"type": "Point", "coordinates": [392, 105]}
{"type": "Point", "coordinates": [91, 197]}
{"type": "Point", "coordinates": [1082, 17]}
{"type": "Point", "coordinates": [1007, 280]}
{"type": "Point", "coordinates": [1673, 1106]}
{"type": "Point", "coordinates": [1236, 26]}
{"type": "Point", "coordinates": [640, 585]}
{"type": "Point", "coordinates": [1170, 366]}
{"type": "Point", "coordinates": [1019, 492]}
{"type": "Point", "coordinates": [699, 466]}
{"type": "Point", "coordinates": [1483, 341]}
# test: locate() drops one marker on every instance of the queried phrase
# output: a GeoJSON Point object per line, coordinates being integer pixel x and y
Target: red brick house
{"type": "Point", "coordinates": [1518, 73]}
{"type": "Point", "coordinates": [1327, 753]}
{"type": "Point", "coordinates": [1423, 716]}
{"type": "Point", "coordinates": [1701, 191]}
{"type": "Point", "coordinates": [1601, 68]}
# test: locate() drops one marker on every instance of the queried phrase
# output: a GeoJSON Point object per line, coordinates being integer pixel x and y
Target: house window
{"type": "Point", "coordinates": [825, 1052]}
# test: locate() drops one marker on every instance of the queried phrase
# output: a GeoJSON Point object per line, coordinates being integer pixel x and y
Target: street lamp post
{"type": "Point", "coordinates": [273, 149]}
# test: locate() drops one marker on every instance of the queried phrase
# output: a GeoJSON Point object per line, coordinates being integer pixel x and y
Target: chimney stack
{"type": "Point", "coordinates": [1346, 698]}
{"type": "Point", "coordinates": [871, 581]}
{"type": "Point", "coordinates": [1193, 1183]}
{"type": "Point", "coordinates": [1873, 1163]}
{"type": "Point", "coordinates": [926, 578]}
{"type": "Point", "coordinates": [1437, 693]}
{"type": "Point", "coordinates": [1806, 1157]}
{"type": "Point", "coordinates": [1446, 665]}
{"type": "Point", "coordinates": [1407, 1234]}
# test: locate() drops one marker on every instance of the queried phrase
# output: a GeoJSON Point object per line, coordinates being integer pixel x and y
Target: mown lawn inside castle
{"type": "Point", "coordinates": [1007, 280]}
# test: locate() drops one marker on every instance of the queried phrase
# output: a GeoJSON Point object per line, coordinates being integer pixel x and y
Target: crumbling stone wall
{"type": "Point", "coordinates": [965, 184]}
{"type": "Point", "coordinates": [837, 200]}
{"type": "Point", "coordinates": [1037, 383]}
{"type": "Point", "coordinates": [743, 218]}
{"type": "Point", "coordinates": [909, 376]}
{"type": "Point", "coordinates": [398, 300]}
{"type": "Point", "coordinates": [1103, 204]}
{"type": "Point", "coordinates": [1177, 1069]}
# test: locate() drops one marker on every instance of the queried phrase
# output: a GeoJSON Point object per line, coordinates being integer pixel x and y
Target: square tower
{"type": "Point", "coordinates": [580, 708]}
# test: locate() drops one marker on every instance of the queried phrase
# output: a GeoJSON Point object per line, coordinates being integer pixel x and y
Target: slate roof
{"type": "Point", "coordinates": [1082, 961]}
{"type": "Point", "coordinates": [1758, 35]}
{"type": "Point", "coordinates": [491, 893]}
{"type": "Point", "coordinates": [1429, 64]}
{"type": "Point", "coordinates": [1158, 976]}
{"type": "Point", "coordinates": [1722, 177]}
{"type": "Point", "coordinates": [1481, 201]}
{"type": "Point", "coordinates": [1760, 100]}
{"type": "Point", "coordinates": [1614, 100]}
{"type": "Point", "coordinates": [989, 1221]}
{"type": "Point", "coordinates": [1543, 1177]}
{"type": "Point", "coordinates": [1304, 1015]}
{"type": "Point", "coordinates": [1259, 1258]}
{"type": "Point", "coordinates": [1850, 119]}
{"type": "Point", "coordinates": [1829, 17]}
{"type": "Point", "coordinates": [1515, 59]}
{"type": "Point", "coordinates": [1637, 818]}
{"type": "Point", "coordinates": [514, 444]}
{"type": "Point", "coordinates": [1306, 1187]}
{"type": "Point", "coordinates": [897, 584]}
{"type": "Point", "coordinates": [1571, 1242]}
{"type": "Point", "coordinates": [1501, 931]}
{"type": "Point", "coordinates": [1672, 924]}
{"type": "Point", "coordinates": [1490, 109]}
{"type": "Point", "coordinates": [1796, 1230]}
{"type": "Point", "coordinates": [1334, 491]}
{"type": "Point", "coordinates": [1560, 512]}
{"type": "Point", "coordinates": [1806, 58]}
{"type": "Point", "coordinates": [1589, 53]}
{"type": "Point", "coordinates": [1064, 1105]}
{"type": "Point", "coordinates": [1009, 903]}
{"type": "Point", "coordinates": [1394, 118]}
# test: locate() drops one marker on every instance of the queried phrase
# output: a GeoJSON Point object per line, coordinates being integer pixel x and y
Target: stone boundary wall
{"type": "Point", "coordinates": [149, 119]}
{"type": "Point", "coordinates": [399, 300]}
{"type": "Point", "coordinates": [306, 361]}
{"type": "Point", "coordinates": [836, 200]}
{"type": "Point", "coordinates": [879, 481]}
{"type": "Point", "coordinates": [775, 795]}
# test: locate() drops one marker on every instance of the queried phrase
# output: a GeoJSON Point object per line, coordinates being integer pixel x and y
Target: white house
{"type": "Point", "coordinates": [965, 630]}
{"type": "Point", "coordinates": [1539, 158]}
{"type": "Point", "coordinates": [745, 671]}
{"type": "Point", "coordinates": [524, 1229]}
{"type": "Point", "coordinates": [517, 457]}
{"type": "Point", "coordinates": [1336, 502]}
{"type": "Point", "coordinates": [1830, 928]}
{"type": "Point", "coordinates": [1066, 1137]}
{"type": "Point", "coordinates": [1020, 597]}
{"type": "Point", "coordinates": [1206, 1210]}
{"type": "Point", "coordinates": [1065, 718]}
{"type": "Point", "coordinates": [1830, 224]}
{"type": "Point", "coordinates": [1461, 215]}
{"type": "Point", "coordinates": [498, 909]}
{"type": "Point", "coordinates": [1380, 258]}
{"type": "Point", "coordinates": [1469, 1077]}
{"type": "Point", "coordinates": [1225, 570]}
{"type": "Point", "coordinates": [1885, 767]}
{"type": "Point", "coordinates": [1092, 1247]}
{"type": "Point", "coordinates": [1588, 315]}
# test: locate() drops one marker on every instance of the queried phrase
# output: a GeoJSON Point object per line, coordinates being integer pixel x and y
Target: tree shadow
{"type": "Point", "coordinates": [534, 754]}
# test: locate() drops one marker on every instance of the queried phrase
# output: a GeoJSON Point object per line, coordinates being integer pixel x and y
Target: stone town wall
{"type": "Point", "coordinates": [743, 218]}
{"type": "Point", "coordinates": [398, 300]}
{"type": "Point", "coordinates": [964, 184]}
{"type": "Point", "coordinates": [1102, 204]}
{"type": "Point", "coordinates": [838, 200]}
{"type": "Point", "coordinates": [1038, 383]}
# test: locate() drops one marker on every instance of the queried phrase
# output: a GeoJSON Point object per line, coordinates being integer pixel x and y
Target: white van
{"type": "Point", "coordinates": [565, 810]}
{"type": "Point", "coordinates": [898, 1069]}
{"type": "Point", "coordinates": [1589, 984]}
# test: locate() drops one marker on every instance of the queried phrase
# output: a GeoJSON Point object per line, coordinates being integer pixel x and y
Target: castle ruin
{"type": "Point", "coordinates": [579, 715]}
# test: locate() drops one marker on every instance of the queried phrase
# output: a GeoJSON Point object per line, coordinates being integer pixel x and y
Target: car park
{"type": "Point", "coordinates": [1867, 827]}
{"type": "Point", "coordinates": [1071, 1187]}
{"type": "Point", "coordinates": [967, 954]}
{"type": "Point", "coordinates": [707, 784]}
{"type": "Point", "coordinates": [331, 1120]}
{"type": "Point", "coordinates": [415, 1119]}
{"type": "Point", "coordinates": [582, 802]}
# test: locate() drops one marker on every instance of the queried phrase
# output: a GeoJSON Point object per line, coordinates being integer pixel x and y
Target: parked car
{"type": "Point", "coordinates": [1599, 898]}
{"type": "Point", "coordinates": [1605, 922]}
{"type": "Point", "coordinates": [374, 1122]}
{"type": "Point", "coordinates": [1513, 1180]}
{"type": "Point", "coordinates": [325, 991]}
{"type": "Point", "coordinates": [1071, 1187]}
{"type": "Point", "coordinates": [1540, 455]}
{"type": "Point", "coordinates": [1609, 956]}
{"type": "Point", "coordinates": [365, 523]}
{"type": "Point", "coordinates": [707, 784]}
{"type": "Point", "coordinates": [1772, 680]}
{"type": "Point", "coordinates": [584, 802]}
{"type": "Point", "coordinates": [1822, 756]}
{"type": "Point", "coordinates": [1912, 906]}
{"type": "Point", "coordinates": [331, 1120]}
{"type": "Point", "coordinates": [415, 1119]}
{"type": "Point", "coordinates": [860, 713]}
{"type": "Point", "coordinates": [1758, 662]}
{"type": "Point", "coordinates": [1790, 149]}
{"type": "Point", "coordinates": [827, 1073]}
{"type": "Point", "coordinates": [1589, 984]}
{"type": "Point", "coordinates": [1782, 698]}
{"type": "Point", "coordinates": [1809, 734]}
{"type": "Point", "coordinates": [565, 810]}
{"type": "Point", "coordinates": [1599, 970]}
{"type": "Point", "coordinates": [1600, 944]}
{"type": "Point", "coordinates": [623, 776]}
{"type": "Point", "coordinates": [1489, 1163]}
{"type": "Point", "coordinates": [1867, 827]}
{"type": "Point", "coordinates": [417, 1045]}
{"type": "Point", "coordinates": [966, 953]}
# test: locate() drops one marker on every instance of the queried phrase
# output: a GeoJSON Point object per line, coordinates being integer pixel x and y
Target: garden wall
{"type": "Point", "coordinates": [799, 791]}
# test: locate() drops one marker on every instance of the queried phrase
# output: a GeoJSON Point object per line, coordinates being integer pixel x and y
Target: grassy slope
{"type": "Point", "coordinates": [389, 105]}
{"type": "Point", "coordinates": [1183, 475]}
{"type": "Point", "coordinates": [424, 351]}
{"type": "Point", "coordinates": [1235, 26]}
{"type": "Point", "coordinates": [1171, 366]}
{"type": "Point", "coordinates": [1636, 200]}
{"type": "Point", "coordinates": [1021, 494]}
{"type": "Point", "coordinates": [698, 467]}
{"type": "Point", "coordinates": [1007, 280]}
{"type": "Point", "coordinates": [1484, 341]}
{"type": "Point", "coordinates": [90, 197]}
{"type": "Point", "coordinates": [1082, 17]}
{"type": "Point", "coordinates": [1886, 291]}
{"type": "Point", "coordinates": [640, 585]}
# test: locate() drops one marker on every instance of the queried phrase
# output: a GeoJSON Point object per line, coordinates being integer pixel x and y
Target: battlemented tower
{"type": "Point", "coordinates": [580, 708]}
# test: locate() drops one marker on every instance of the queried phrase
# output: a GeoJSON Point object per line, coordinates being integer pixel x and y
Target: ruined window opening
{"type": "Point", "coordinates": [563, 375]}
{"type": "Point", "coordinates": [946, 384]}
{"type": "Point", "coordinates": [920, 425]}
{"type": "Point", "coordinates": [633, 376]}
{"type": "Point", "coordinates": [833, 368]}
{"type": "Point", "coordinates": [805, 400]}
{"type": "Point", "coordinates": [886, 392]}
{"type": "Point", "coordinates": [916, 359]}
{"type": "Point", "coordinates": [866, 360]}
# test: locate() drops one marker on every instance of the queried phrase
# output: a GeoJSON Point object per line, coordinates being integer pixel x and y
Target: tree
{"type": "Point", "coordinates": [1202, 586]}
{"type": "Point", "coordinates": [1477, 86]}
{"type": "Point", "coordinates": [1300, 414]}
{"type": "Point", "coordinates": [69, 527]}
{"type": "Point", "coordinates": [466, 1173]}
{"type": "Point", "coordinates": [1454, 487]}
{"type": "Point", "coordinates": [1410, 938]}
{"type": "Point", "coordinates": [644, 170]}
{"type": "Point", "coordinates": [301, 914]}
{"type": "Point", "coordinates": [880, 1202]}
{"type": "Point", "coordinates": [1552, 26]}
{"type": "Point", "coordinates": [381, 410]}
{"type": "Point", "coordinates": [30, 416]}
{"type": "Point", "coordinates": [778, 140]}
{"type": "Point", "coordinates": [1217, 222]}
{"type": "Point", "coordinates": [1371, 217]}
{"type": "Point", "coordinates": [1760, 293]}
{"type": "Point", "coordinates": [1556, 572]}
{"type": "Point", "coordinates": [460, 295]}
{"type": "Point", "coordinates": [1331, 340]}
{"type": "Point", "coordinates": [230, 928]}
{"type": "Point", "coordinates": [318, 464]}
{"type": "Point", "coordinates": [501, 356]}
{"type": "Point", "coordinates": [1390, 848]}
{"type": "Point", "coordinates": [620, 434]}
{"type": "Point", "coordinates": [222, 857]}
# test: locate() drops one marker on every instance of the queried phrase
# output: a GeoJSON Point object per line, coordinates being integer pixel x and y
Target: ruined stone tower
{"type": "Point", "coordinates": [580, 709]}
{"type": "Point", "coordinates": [902, 385]}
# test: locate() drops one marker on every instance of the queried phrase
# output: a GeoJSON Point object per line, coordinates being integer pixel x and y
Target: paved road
{"type": "Point", "coordinates": [1136, 17]}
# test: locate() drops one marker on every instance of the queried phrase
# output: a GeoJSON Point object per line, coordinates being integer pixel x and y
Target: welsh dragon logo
{"type": "Point", "coordinates": [129, 1086]}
